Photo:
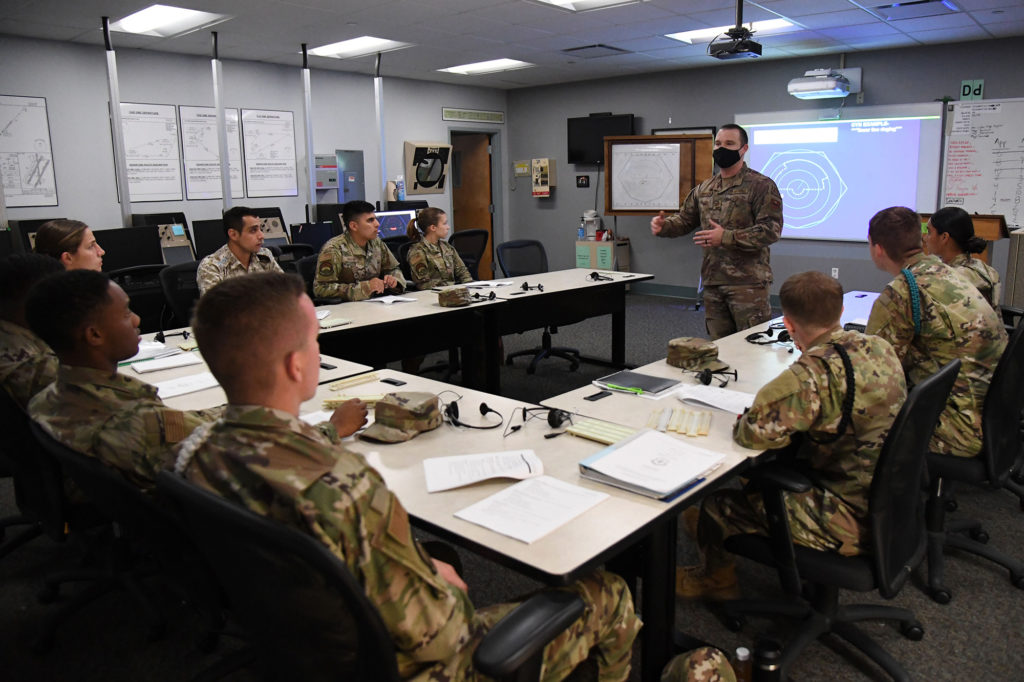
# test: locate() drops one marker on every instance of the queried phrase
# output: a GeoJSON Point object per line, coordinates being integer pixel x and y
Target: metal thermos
{"type": "Point", "coordinates": [767, 662]}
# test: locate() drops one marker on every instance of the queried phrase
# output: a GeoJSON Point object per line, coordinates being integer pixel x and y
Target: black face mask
{"type": "Point", "coordinates": [725, 157]}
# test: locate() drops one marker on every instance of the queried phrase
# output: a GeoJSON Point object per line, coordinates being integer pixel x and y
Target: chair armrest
{"type": "Point", "coordinates": [1011, 314]}
{"type": "Point", "coordinates": [772, 480]}
{"type": "Point", "coordinates": [782, 477]}
{"type": "Point", "coordinates": [523, 633]}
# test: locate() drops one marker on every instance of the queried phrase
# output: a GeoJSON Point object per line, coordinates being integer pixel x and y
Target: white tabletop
{"type": "Point", "coordinates": [370, 312]}
{"type": "Point", "coordinates": [559, 555]}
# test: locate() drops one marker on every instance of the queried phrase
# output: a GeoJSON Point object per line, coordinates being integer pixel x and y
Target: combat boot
{"type": "Point", "coordinates": [693, 582]}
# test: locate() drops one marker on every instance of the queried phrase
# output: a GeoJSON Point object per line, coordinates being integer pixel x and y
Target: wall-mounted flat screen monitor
{"type": "Point", "coordinates": [586, 135]}
{"type": "Point", "coordinates": [128, 246]}
{"type": "Point", "coordinates": [835, 174]}
{"type": "Point", "coordinates": [394, 223]}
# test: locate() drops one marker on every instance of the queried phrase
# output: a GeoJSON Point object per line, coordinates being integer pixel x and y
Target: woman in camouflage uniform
{"type": "Point", "coordinates": [950, 236]}
{"type": "Point", "coordinates": [433, 262]}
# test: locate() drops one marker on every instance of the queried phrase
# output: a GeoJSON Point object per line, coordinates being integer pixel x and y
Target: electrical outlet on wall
{"type": "Point", "coordinates": [835, 273]}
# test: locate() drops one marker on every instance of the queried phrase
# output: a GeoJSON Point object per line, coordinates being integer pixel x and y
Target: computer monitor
{"type": "Point", "coordinates": [393, 223]}
{"type": "Point", "coordinates": [142, 219]}
{"type": "Point", "coordinates": [209, 236]}
{"type": "Point", "coordinates": [128, 246]}
{"type": "Point", "coordinates": [408, 205]}
{"type": "Point", "coordinates": [314, 234]}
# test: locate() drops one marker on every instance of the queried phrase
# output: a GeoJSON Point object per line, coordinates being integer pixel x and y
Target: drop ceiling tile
{"type": "Point", "coordinates": [1006, 30]}
{"type": "Point", "coordinates": [874, 29]}
{"type": "Point", "coordinates": [952, 35]}
{"type": "Point", "coordinates": [798, 8]}
{"type": "Point", "coordinates": [912, 26]}
{"type": "Point", "coordinates": [999, 15]}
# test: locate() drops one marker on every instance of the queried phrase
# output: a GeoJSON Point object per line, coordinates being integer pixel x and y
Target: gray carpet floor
{"type": "Point", "coordinates": [979, 635]}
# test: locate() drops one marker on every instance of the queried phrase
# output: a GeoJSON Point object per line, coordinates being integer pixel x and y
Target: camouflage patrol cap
{"type": "Point", "coordinates": [706, 664]}
{"type": "Point", "coordinates": [453, 297]}
{"type": "Point", "coordinates": [400, 416]}
{"type": "Point", "coordinates": [690, 352]}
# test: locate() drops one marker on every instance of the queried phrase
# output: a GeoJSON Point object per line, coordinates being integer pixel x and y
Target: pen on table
{"type": "Point", "coordinates": [324, 365]}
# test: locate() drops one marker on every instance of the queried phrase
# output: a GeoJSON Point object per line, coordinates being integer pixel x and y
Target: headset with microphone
{"type": "Point", "coordinates": [598, 277]}
{"type": "Point", "coordinates": [478, 297]}
{"type": "Point", "coordinates": [526, 287]}
{"type": "Point", "coordinates": [704, 376]}
{"type": "Point", "coordinates": [555, 418]}
{"type": "Point", "coordinates": [451, 414]}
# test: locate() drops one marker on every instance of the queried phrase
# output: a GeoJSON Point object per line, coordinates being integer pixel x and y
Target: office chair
{"type": "Point", "coordinates": [181, 290]}
{"type": "Point", "coordinates": [403, 262]}
{"type": "Point", "coordinates": [991, 468]}
{"type": "Point", "coordinates": [897, 539]}
{"type": "Point", "coordinates": [317, 623]}
{"type": "Point", "coordinates": [471, 245]}
{"type": "Point", "coordinates": [12, 445]}
{"type": "Point", "coordinates": [290, 254]}
{"type": "Point", "coordinates": [142, 284]}
{"type": "Point", "coordinates": [527, 257]}
{"type": "Point", "coordinates": [395, 243]}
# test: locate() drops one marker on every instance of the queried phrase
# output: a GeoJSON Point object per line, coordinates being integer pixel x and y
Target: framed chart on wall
{"type": "Point", "coordinates": [268, 138]}
{"type": "Point", "coordinates": [151, 151]}
{"type": "Point", "coordinates": [651, 173]}
{"type": "Point", "coordinates": [202, 153]}
{"type": "Point", "coordinates": [26, 159]}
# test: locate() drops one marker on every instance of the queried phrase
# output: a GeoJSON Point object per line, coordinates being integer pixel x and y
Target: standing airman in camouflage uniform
{"type": "Point", "coordinates": [433, 262]}
{"type": "Point", "coordinates": [950, 236]}
{"type": "Point", "coordinates": [262, 456]}
{"type": "Point", "coordinates": [242, 254]}
{"type": "Point", "coordinates": [92, 408]}
{"type": "Point", "coordinates": [27, 365]}
{"type": "Point", "coordinates": [807, 398]}
{"type": "Point", "coordinates": [739, 215]}
{"type": "Point", "coordinates": [955, 322]}
{"type": "Point", "coordinates": [356, 265]}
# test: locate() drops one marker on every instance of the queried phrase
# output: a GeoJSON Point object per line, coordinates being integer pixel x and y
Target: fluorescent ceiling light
{"type": "Point", "coordinates": [358, 47]}
{"type": "Point", "coordinates": [165, 21]}
{"type": "Point", "coordinates": [587, 5]}
{"type": "Point", "coordinates": [707, 34]}
{"type": "Point", "coordinates": [491, 66]}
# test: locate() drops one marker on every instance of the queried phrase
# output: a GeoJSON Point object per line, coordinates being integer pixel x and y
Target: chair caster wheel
{"type": "Point", "coordinates": [951, 506]}
{"type": "Point", "coordinates": [941, 596]}
{"type": "Point", "coordinates": [1017, 581]}
{"type": "Point", "coordinates": [734, 623]}
{"type": "Point", "coordinates": [914, 633]}
{"type": "Point", "coordinates": [979, 535]}
{"type": "Point", "coordinates": [48, 594]}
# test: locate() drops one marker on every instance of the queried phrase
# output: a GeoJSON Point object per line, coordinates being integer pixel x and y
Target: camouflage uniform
{"type": "Point", "coordinates": [222, 264]}
{"type": "Point", "coordinates": [808, 397]}
{"type": "Point", "coordinates": [344, 267]}
{"type": "Point", "coordinates": [706, 664]}
{"type": "Point", "coordinates": [27, 365]}
{"type": "Point", "coordinates": [115, 418]}
{"type": "Point", "coordinates": [435, 265]}
{"type": "Point", "coordinates": [956, 322]}
{"type": "Point", "coordinates": [983, 276]}
{"type": "Point", "coordinates": [736, 274]}
{"type": "Point", "coordinates": [275, 465]}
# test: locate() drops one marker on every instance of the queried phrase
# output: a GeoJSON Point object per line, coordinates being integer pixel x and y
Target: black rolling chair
{"type": "Point", "coordinates": [394, 244]}
{"type": "Point", "coordinates": [316, 623]}
{"type": "Point", "coordinates": [181, 290]}
{"type": "Point", "coordinates": [527, 257]}
{"type": "Point", "coordinates": [291, 254]}
{"type": "Point", "coordinates": [898, 541]}
{"type": "Point", "coordinates": [17, 445]}
{"type": "Point", "coordinates": [306, 269]}
{"type": "Point", "coordinates": [142, 284]}
{"type": "Point", "coordinates": [991, 468]}
{"type": "Point", "coordinates": [403, 262]}
{"type": "Point", "coordinates": [471, 245]}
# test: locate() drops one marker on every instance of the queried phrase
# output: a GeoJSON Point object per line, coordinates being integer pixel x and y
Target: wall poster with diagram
{"type": "Point", "coordinates": [26, 159]}
{"type": "Point", "coordinates": [651, 173]}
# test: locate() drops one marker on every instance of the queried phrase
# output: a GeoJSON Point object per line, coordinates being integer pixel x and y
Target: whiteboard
{"type": "Point", "coordinates": [646, 177]}
{"type": "Point", "coordinates": [151, 151]}
{"type": "Point", "coordinates": [202, 155]}
{"type": "Point", "coordinates": [983, 170]}
{"type": "Point", "coordinates": [26, 159]}
{"type": "Point", "coordinates": [269, 141]}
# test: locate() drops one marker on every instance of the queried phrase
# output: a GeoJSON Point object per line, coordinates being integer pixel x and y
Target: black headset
{"type": "Point", "coordinates": [451, 414]}
{"type": "Point", "coordinates": [847, 416]}
{"type": "Point", "coordinates": [480, 297]}
{"type": "Point", "coordinates": [555, 418]}
{"type": "Point", "coordinates": [765, 338]}
{"type": "Point", "coordinates": [598, 277]}
{"type": "Point", "coordinates": [704, 376]}
{"type": "Point", "coordinates": [526, 287]}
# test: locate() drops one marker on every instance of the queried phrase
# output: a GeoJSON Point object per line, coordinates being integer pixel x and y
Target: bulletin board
{"type": "Point", "coordinates": [651, 173]}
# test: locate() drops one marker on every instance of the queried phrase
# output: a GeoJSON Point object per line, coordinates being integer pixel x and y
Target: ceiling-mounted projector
{"type": "Point", "coordinates": [825, 83]}
{"type": "Point", "coordinates": [737, 44]}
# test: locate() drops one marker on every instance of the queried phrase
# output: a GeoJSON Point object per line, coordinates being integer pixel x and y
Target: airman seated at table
{"type": "Point", "coordinates": [27, 365]}
{"type": "Point", "coordinates": [242, 254]}
{"type": "Point", "coordinates": [71, 242]}
{"type": "Point", "coordinates": [434, 262]}
{"type": "Point", "coordinates": [357, 265]}
{"type": "Point", "coordinates": [950, 236]}
{"type": "Point", "coordinates": [262, 456]}
{"type": "Point", "coordinates": [950, 319]}
{"type": "Point", "coordinates": [837, 436]}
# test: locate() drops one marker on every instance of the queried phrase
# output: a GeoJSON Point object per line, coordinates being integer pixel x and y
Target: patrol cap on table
{"type": "Point", "coordinates": [690, 352]}
{"type": "Point", "coordinates": [453, 297]}
{"type": "Point", "coordinates": [400, 416]}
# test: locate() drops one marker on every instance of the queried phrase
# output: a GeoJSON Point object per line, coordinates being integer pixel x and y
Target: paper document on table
{"type": "Point", "coordinates": [179, 359]}
{"type": "Point", "coordinates": [490, 284]}
{"type": "Point", "coordinates": [714, 396]}
{"type": "Point", "coordinates": [389, 299]}
{"type": "Point", "coordinates": [445, 473]}
{"type": "Point", "coordinates": [530, 509]}
{"type": "Point", "coordinates": [651, 463]}
{"type": "Point", "coordinates": [321, 314]}
{"type": "Point", "coordinates": [149, 350]}
{"type": "Point", "coordinates": [182, 385]}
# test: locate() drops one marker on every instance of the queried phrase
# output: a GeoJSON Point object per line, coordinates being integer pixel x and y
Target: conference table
{"type": "Point", "coordinates": [623, 524]}
{"type": "Point", "coordinates": [378, 333]}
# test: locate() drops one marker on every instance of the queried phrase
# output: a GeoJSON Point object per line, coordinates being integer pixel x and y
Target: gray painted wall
{"type": "Point", "coordinates": [72, 78]}
{"type": "Point", "coordinates": [712, 96]}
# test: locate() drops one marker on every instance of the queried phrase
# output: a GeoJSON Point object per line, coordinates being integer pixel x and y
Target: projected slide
{"type": "Point", "coordinates": [835, 175]}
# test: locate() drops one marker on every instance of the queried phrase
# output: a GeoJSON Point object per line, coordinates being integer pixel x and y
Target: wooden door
{"type": "Point", "coordinates": [471, 190]}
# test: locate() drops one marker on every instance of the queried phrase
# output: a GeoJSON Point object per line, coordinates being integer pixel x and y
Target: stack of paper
{"type": "Point", "coordinates": [445, 473]}
{"type": "Point", "coordinates": [714, 396]}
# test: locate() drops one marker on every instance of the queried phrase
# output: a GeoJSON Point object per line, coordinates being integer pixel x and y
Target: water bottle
{"type": "Point", "coordinates": [582, 233]}
{"type": "Point", "coordinates": [767, 657]}
{"type": "Point", "coordinates": [742, 665]}
{"type": "Point", "coordinates": [400, 187]}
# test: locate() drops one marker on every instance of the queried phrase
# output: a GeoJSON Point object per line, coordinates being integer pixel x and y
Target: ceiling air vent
{"type": "Point", "coordinates": [915, 9]}
{"type": "Point", "coordinates": [594, 51]}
